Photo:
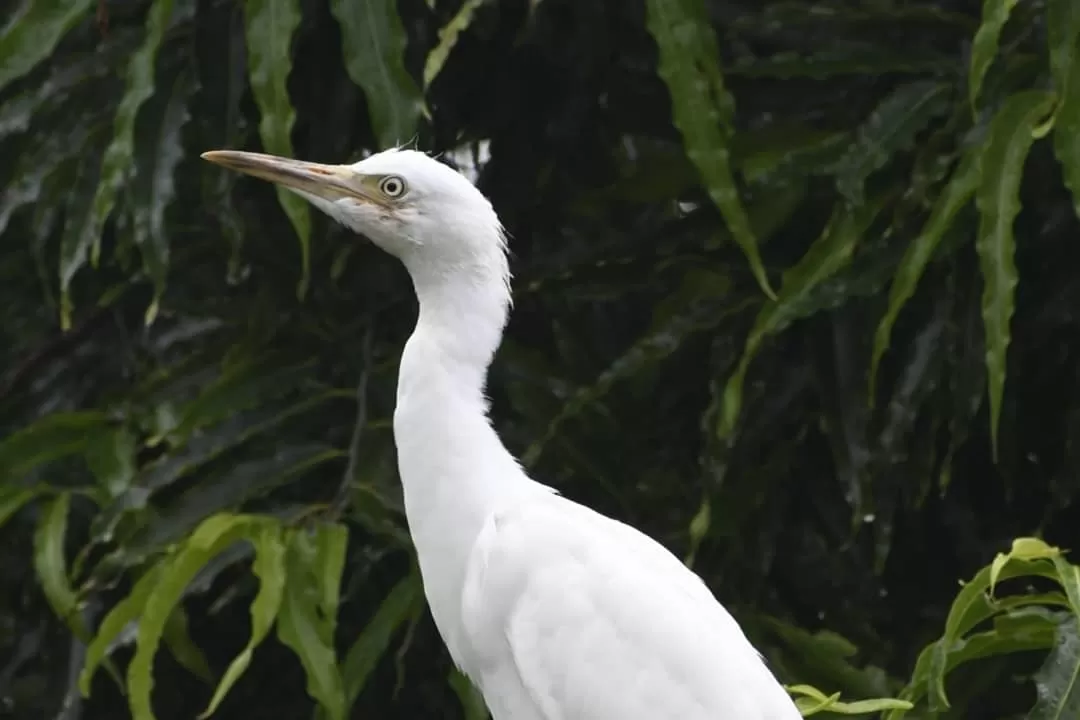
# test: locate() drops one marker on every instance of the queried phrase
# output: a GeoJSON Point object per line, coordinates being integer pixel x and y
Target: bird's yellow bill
{"type": "Point", "coordinates": [326, 181]}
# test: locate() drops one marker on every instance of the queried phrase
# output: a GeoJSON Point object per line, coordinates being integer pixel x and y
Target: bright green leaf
{"type": "Point", "coordinates": [448, 37]}
{"type": "Point", "coordinates": [703, 110]}
{"type": "Point", "coordinates": [303, 628]}
{"type": "Point", "coordinates": [51, 563]}
{"type": "Point", "coordinates": [998, 199]}
{"type": "Point", "coordinates": [212, 537]}
{"type": "Point", "coordinates": [270, 27]}
{"type": "Point", "coordinates": [269, 567]}
{"type": "Point", "coordinates": [178, 639]}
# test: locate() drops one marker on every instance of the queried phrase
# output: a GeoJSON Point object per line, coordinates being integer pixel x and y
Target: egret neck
{"type": "Point", "coordinates": [454, 469]}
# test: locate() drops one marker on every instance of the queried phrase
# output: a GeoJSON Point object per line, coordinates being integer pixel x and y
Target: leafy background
{"type": "Point", "coordinates": [795, 290]}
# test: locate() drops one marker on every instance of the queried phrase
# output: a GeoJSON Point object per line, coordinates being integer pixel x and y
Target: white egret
{"type": "Point", "coordinates": [554, 611]}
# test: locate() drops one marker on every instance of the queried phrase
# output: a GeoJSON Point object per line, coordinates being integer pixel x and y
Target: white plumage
{"type": "Point", "coordinates": [554, 611]}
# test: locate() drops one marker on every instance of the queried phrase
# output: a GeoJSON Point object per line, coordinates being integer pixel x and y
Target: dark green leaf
{"type": "Point", "coordinates": [32, 35]}
{"type": "Point", "coordinates": [829, 253]}
{"type": "Point", "coordinates": [703, 110]}
{"type": "Point", "coordinates": [954, 197]}
{"type": "Point", "coordinates": [51, 437]}
{"type": "Point", "coordinates": [472, 702]}
{"type": "Point", "coordinates": [271, 25]}
{"type": "Point", "coordinates": [374, 40]}
{"type": "Point", "coordinates": [1063, 30]}
{"type": "Point", "coordinates": [51, 563]}
{"type": "Point", "coordinates": [998, 199]}
{"type": "Point", "coordinates": [159, 188]}
{"type": "Point", "coordinates": [404, 601]}
{"type": "Point", "coordinates": [984, 47]}
{"type": "Point", "coordinates": [178, 640]}
{"type": "Point", "coordinates": [119, 159]}
{"type": "Point", "coordinates": [891, 128]}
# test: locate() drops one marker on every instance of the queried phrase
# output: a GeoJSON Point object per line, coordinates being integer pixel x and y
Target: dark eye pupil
{"type": "Point", "coordinates": [392, 187]}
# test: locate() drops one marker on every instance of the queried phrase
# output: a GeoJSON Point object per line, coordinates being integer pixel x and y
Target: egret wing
{"type": "Point", "coordinates": [574, 616]}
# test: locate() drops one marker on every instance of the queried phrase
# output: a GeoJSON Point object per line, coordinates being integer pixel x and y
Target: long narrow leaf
{"type": "Point", "coordinates": [829, 253]}
{"type": "Point", "coordinates": [1063, 37]}
{"type": "Point", "coordinates": [950, 202]}
{"type": "Point", "coordinates": [51, 564]}
{"type": "Point", "coordinates": [703, 110]}
{"type": "Point", "coordinates": [33, 34]}
{"type": "Point", "coordinates": [374, 40]}
{"type": "Point", "coordinates": [270, 27]}
{"type": "Point", "coordinates": [119, 160]}
{"type": "Point", "coordinates": [984, 47]}
{"type": "Point", "coordinates": [998, 199]}
{"type": "Point", "coordinates": [447, 39]}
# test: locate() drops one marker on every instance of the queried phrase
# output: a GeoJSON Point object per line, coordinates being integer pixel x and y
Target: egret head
{"type": "Point", "coordinates": [410, 205]}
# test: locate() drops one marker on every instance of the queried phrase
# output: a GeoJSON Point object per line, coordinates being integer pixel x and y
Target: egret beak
{"type": "Point", "coordinates": [330, 182]}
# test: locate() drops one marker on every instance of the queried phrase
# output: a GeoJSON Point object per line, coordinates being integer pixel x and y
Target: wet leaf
{"type": "Point", "coordinates": [703, 110]}
{"type": "Point", "coordinates": [959, 191]}
{"type": "Point", "coordinates": [374, 41]}
{"type": "Point", "coordinates": [891, 127]}
{"type": "Point", "coordinates": [998, 200]}
{"type": "Point", "coordinates": [984, 47]}
{"type": "Point", "coordinates": [269, 567]}
{"type": "Point", "coordinates": [270, 27]}
{"type": "Point", "coordinates": [32, 35]}
{"type": "Point", "coordinates": [159, 188]}
{"type": "Point", "coordinates": [1057, 682]}
{"type": "Point", "coordinates": [829, 253]}
{"type": "Point", "coordinates": [119, 159]}
{"type": "Point", "coordinates": [404, 601]}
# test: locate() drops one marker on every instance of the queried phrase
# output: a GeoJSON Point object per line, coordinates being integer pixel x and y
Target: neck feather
{"type": "Point", "coordinates": [454, 469]}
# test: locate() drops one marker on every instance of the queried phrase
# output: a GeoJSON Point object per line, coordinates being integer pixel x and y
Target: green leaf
{"type": "Point", "coordinates": [1063, 36]}
{"type": "Point", "coordinates": [53, 436]}
{"type": "Point", "coordinates": [890, 128]}
{"type": "Point", "coordinates": [984, 47]}
{"type": "Point", "coordinates": [270, 26]}
{"type": "Point", "coordinates": [75, 242]}
{"type": "Point", "coordinates": [112, 460]}
{"type": "Point", "coordinates": [998, 199]}
{"type": "Point", "coordinates": [374, 41]}
{"type": "Point", "coordinates": [829, 253]}
{"type": "Point", "coordinates": [123, 613]}
{"type": "Point", "coordinates": [32, 35]}
{"type": "Point", "coordinates": [1057, 683]}
{"type": "Point", "coordinates": [303, 627]}
{"type": "Point", "coordinates": [448, 36]}
{"type": "Point", "coordinates": [157, 190]}
{"type": "Point", "coordinates": [211, 538]}
{"type": "Point", "coordinates": [811, 701]}
{"type": "Point", "coordinates": [472, 702]}
{"type": "Point", "coordinates": [12, 500]}
{"type": "Point", "coordinates": [703, 110]}
{"type": "Point", "coordinates": [404, 601]}
{"type": "Point", "coordinates": [269, 567]}
{"type": "Point", "coordinates": [178, 640]}
{"type": "Point", "coordinates": [51, 564]}
{"type": "Point", "coordinates": [957, 194]}
{"type": "Point", "coordinates": [119, 160]}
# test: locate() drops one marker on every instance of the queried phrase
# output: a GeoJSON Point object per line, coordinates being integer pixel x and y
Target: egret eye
{"type": "Point", "coordinates": [392, 186]}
